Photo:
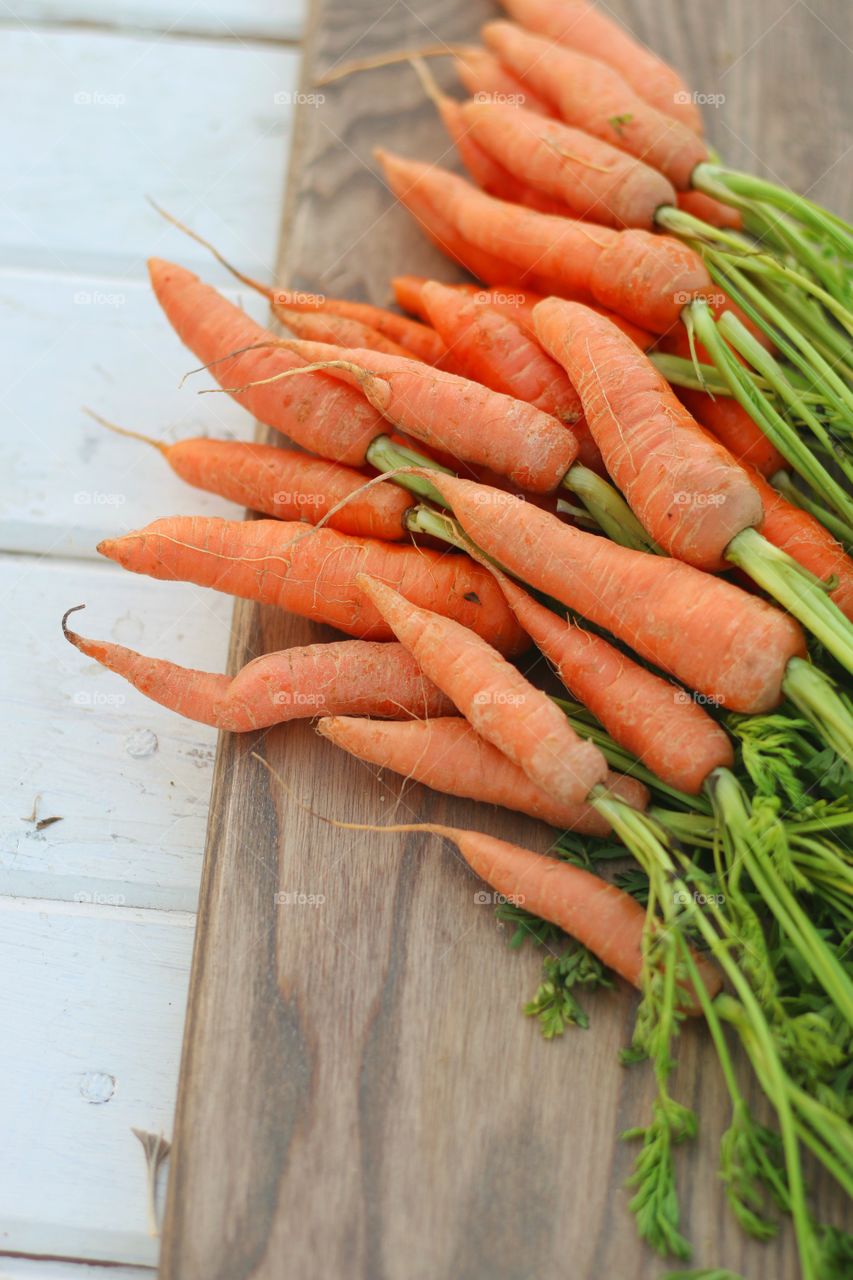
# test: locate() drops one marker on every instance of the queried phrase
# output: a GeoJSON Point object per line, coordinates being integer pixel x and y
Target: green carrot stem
{"type": "Point", "coordinates": [609, 509]}
{"type": "Point", "coordinates": [774, 230]}
{"type": "Point", "coordinates": [385, 455]}
{"type": "Point", "coordinates": [842, 530]}
{"type": "Point", "coordinates": [816, 697]}
{"type": "Point", "coordinates": [680, 372]}
{"type": "Point", "coordinates": [829, 341]}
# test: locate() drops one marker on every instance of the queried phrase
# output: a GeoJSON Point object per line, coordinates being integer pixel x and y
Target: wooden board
{"type": "Point", "coordinates": [359, 1095]}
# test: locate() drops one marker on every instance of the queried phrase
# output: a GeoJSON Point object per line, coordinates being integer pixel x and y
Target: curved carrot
{"type": "Point", "coordinates": [326, 326]}
{"type": "Point", "coordinates": [647, 278]}
{"type": "Point", "coordinates": [502, 706]}
{"type": "Point", "coordinates": [311, 572]}
{"type": "Point", "coordinates": [315, 411]}
{"type": "Point", "coordinates": [590, 178]}
{"type": "Point", "coordinates": [727, 644]}
{"type": "Point", "coordinates": [687, 491]}
{"type": "Point", "coordinates": [482, 75]}
{"type": "Point", "coordinates": [285, 484]}
{"type": "Point", "coordinates": [446, 753]}
{"type": "Point", "coordinates": [656, 721]}
{"type": "Point", "coordinates": [584, 27]}
{"type": "Point", "coordinates": [734, 428]}
{"type": "Point", "coordinates": [465, 418]}
{"type": "Point", "coordinates": [593, 97]}
{"type": "Point", "coordinates": [342, 677]}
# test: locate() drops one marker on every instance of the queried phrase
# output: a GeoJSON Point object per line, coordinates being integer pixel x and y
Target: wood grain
{"type": "Point", "coordinates": [360, 1097]}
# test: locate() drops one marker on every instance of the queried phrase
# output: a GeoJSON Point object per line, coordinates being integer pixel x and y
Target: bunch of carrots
{"type": "Point", "coordinates": [627, 444]}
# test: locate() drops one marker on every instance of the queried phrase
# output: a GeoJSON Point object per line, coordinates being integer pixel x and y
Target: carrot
{"type": "Point", "coordinates": [445, 753]}
{"type": "Point", "coordinates": [342, 677]}
{"type": "Point", "coordinates": [326, 326]}
{"type": "Point", "coordinates": [582, 26]}
{"type": "Point", "coordinates": [707, 209]}
{"type": "Point", "coordinates": [483, 76]}
{"type": "Point", "coordinates": [590, 179]}
{"type": "Point", "coordinates": [500, 704]}
{"type": "Point", "coordinates": [646, 278]}
{"type": "Point", "coordinates": [311, 572]}
{"type": "Point", "coordinates": [416, 338]}
{"type": "Point", "coordinates": [730, 423]}
{"type": "Point", "coordinates": [465, 418]}
{"type": "Point", "coordinates": [656, 721]}
{"type": "Point", "coordinates": [727, 644]}
{"type": "Point", "coordinates": [285, 484]}
{"type": "Point", "coordinates": [593, 97]}
{"type": "Point", "coordinates": [316, 411]}
{"type": "Point", "coordinates": [687, 491]}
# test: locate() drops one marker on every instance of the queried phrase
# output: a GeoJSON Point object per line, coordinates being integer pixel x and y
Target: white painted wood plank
{"type": "Point", "coordinates": [65, 481]}
{"type": "Point", "coordinates": [45, 1269]}
{"type": "Point", "coordinates": [130, 779]}
{"type": "Point", "coordinates": [271, 19]}
{"type": "Point", "coordinates": [93, 122]}
{"type": "Point", "coordinates": [92, 1002]}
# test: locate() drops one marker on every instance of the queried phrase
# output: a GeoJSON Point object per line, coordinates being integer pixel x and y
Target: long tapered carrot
{"type": "Point", "coordinates": [584, 27]}
{"type": "Point", "coordinates": [592, 96]}
{"type": "Point", "coordinates": [341, 677]}
{"type": "Point", "coordinates": [646, 278]}
{"type": "Point", "coordinates": [653, 719]}
{"type": "Point", "coordinates": [286, 484]}
{"type": "Point", "coordinates": [326, 326]}
{"type": "Point", "coordinates": [316, 411]}
{"type": "Point", "coordinates": [413, 337]}
{"type": "Point", "coordinates": [311, 572]}
{"type": "Point", "coordinates": [725, 643]}
{"type": "Point", "coordinates": [483, 76]}
{"type": "Point", "coordinates": [465, 418]}
{"type": "Point", "coordinates": [590, 178]}
{"type": "Point", "coordinates": [447, 754]}
{"type": "Point", "coordinates": [503, 707]}
{"type": "Point", "coordinates": [688, 492]}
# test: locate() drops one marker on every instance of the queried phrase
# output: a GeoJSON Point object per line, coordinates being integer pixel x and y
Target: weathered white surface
{"type": "Point", "coordinates": [65, 481]}
{"type": "Point", "coordinates": [45, 1269]}
{"type": "Point", "coordinates": [93, 1022]}
{"type": "Point", "coordinates": [130, 780]}
{"type": "Point", "coordinates": [281, 19]}
{"type": "Point", "coordinates": [100, 120]}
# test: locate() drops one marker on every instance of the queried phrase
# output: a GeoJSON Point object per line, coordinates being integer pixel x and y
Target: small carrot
{"type": "Point", "coordinates": [656, 721]}
{"type": "Point", "coordinates": [285, 484]}
{"type": "Point", "coordinates": [584, 27]}
{"type": "Point", "coordinates": [646, 278]}
{"type": "Point", "coordinates": [483, 76]}
{"type": "Point", "coordinates": [592, 96]}
{"type": "Point", "coordinates": [341, 677]}
{"type": "Point", "coordinates": [311, 572]}
{"type": "Point", "coordinates": [445, 753]}
{"type": "Point", "coordinates": [501, 705]}
{"type": "Point", "coordinates": [326, 326]}
{"type": "Point", "coordinates": [590, 179]}
{"type": "Point", "coordinates": [727, 644]}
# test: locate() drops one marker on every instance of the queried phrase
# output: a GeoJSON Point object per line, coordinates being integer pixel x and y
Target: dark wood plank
{"type": "Point", "coordinates": [359, 1095]}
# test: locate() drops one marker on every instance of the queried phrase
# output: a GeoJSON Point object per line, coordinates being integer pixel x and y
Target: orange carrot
{"type": "Point", "coordinates": [416, 338]}
{"type": "Point", "coordinates": [285, 484]}
{"type": "Point", "coordinates": [315, 411]}
{"type": "Point", "coordinates": [342, 677]}
{"type": "Point", "coordinates": [445, 753]}
{"type": "Point", "coordinates": [729, 423]}
{"type": "Point", "coordinates": [729, 645]}
{"type": "Point", "coordinates": [646, 278]}
{"type": "Point", "coordinates": [311, 572]}
{"type": "Point", "coordinates": [584, 27]}
{"type": "Point", "coordinates": [326, 326]}
{"type": "Point", "coordinates": [465, 418]}
{"type": "Point", "coordinates": [593, 97]}
{"type": "Point", "coordinates": [590, 179]}
{"type": "Point", "coordinates": [686, 490]}
{"type": "Point", "coordinates": [501, 705]}
{"type": "Point", "coordinates": [655, 720]}
{"type": "Point", "coordinates": [483, 76]}
{"type": "Point", "coordinates": [709, 210]}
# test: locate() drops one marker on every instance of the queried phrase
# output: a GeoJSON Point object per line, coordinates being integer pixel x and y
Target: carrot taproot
{"type": "Point", "coordinates": [317, 412]}
{"type": "Point", "coordinates": [341, 677]}
{"type": "Point", "coordinates": [653, 719]}
{"type": "Point", "coordinates": [285, 484]}
{"type": "Point", "coordinates": [730, 423]}
{"type": "Point", "coordinates": [592, 96]}
{"type": "Point", "coordinates": [584, 27]}
{"type": "Point", "coordinates": [589, 178]}
{"type": "Point", "coordinates": [646, 278]}
{"type": "Point", "coordinates": [311, 572]}
{"type": "Point", "coordinates": [468, 420]}
{"type": "Point", "coordinates": [687, 491]}
{"type": "Point", "coordinates": [725, 643]}
{"type": "Point", "coordinates": [495, 698]}
{"type": "Point", "coordinates": [327, 326]}
{"type": "Point", "coordinates": [483, 76]}
{"type": "Point", "coordinates": [447, 754]}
